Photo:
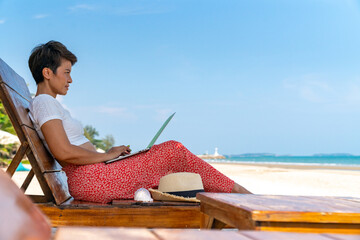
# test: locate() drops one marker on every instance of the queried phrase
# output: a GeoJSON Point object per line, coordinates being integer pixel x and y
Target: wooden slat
{"type": "Point", "coordinates": [336, 203]}
{"type": "Point", "coordinates": [86, 233]}
{"type": "Point", "coordinates": [11, 111]}
{"type": "Point", "coordinates": [20, 106]}
{"type": "Point", "coordinates": [323, 217]}
{"type": "Point", "coordinates": [110, 216]}
{"type": "Point", "coordinates": [72, 203]}
{"type": "Point", "coordinates": [185, 234]}
{"type": "Point", "coordinates": [40, 177]}
{"type": "Point", "coordinates": [342, 236]}
{"type": "Point", "coordinates": [38, 198]}
{"type": "Point", "coordinates": [154, 203]}
{"type": "Point", "coordinates": [276, 203]}
{"type": "Point", "coordinates": [230, 200]}
{"type": "Point", "coordinates": [311, 203]}
{"type": "Point", "coordinates": [306, 203]}
{"type": "Point", "coordinates": [285, 208]}
{"type": "Point", "coordinates": [309, 227]}
{"type": "Point", "coordinates": [256, 235]}
{"type": "Point", "coordinates": [27, 181]}
{"type": "Point", "coordinates": [215, 223]}
{"type": "Point", "coordinates": [17, 158]}
{"type": "Point", "coordinates": [57, 183]}
{"type": "Point", "coordinates": [351, 199]}
{"type": "Point", "coordinates": [233, 209]}
{"type": "Point", "coordinates": [44, 160]}
{"type": "Point", "coordinates": [339, 213]}
{"type": "Point", "coordinates": [238, 218]}
{"type": "Point", "coordinates": [51, 179]}
{"type": "Point", "coordinates": [12, 79]}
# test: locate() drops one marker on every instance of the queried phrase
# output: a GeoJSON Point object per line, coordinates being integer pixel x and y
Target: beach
{"type": "Point", "coordinates": [277, 179]}
{"type": "Point", "coordinates": [287, 179]}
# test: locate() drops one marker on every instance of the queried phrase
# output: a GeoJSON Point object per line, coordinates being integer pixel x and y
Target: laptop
{"type": "Point", "coordinates": [152, 142]}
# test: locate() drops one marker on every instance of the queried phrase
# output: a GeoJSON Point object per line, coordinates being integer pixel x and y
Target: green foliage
{"type": "Point", "coordinates": [105, 144]}
{"type": "Point", "coordinates": [90, 133]}
{"type": "Point", "coordinates": [5, 123]}
{"type": "Point", "coordinates": [8, 150]}
{"type": "Point", "coordinates": [6, 153]}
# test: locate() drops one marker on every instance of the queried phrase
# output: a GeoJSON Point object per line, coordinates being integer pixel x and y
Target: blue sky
{"type": "Point", "coordinates": [244, 76]}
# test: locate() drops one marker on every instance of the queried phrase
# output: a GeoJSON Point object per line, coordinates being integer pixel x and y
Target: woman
{"type": "Point", "coordinates": [89, 178]}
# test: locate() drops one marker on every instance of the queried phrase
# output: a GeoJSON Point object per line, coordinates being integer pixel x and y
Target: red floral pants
{"type": "Point", "coordinates": [119, 180]}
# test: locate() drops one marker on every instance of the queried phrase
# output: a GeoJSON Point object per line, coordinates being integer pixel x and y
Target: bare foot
{"type": "Point", "coordinates": [239, 189]}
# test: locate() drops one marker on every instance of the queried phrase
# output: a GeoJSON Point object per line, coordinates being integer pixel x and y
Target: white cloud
{"type": "Point", "coordinates": [316, 91]}
{"type": "Point", "coordinates": [82, 7]}
{"type": "Point", "coordinates": [311, 87]}
{"type": "Point", "coordinates": [2, 21]}
{"type": "Point", "coordinates": [161, 112]}
{"type": "Point", "coordinates": [40, 16]}
{"type": "Point", "coordinates": [115, 112]}
{"type": "Point", "coordinates": [149, 106]}
{"type": "Point", "coordinates": [128, 11]}
{"type": "Point", "coordinates": [112, 110]}
{"type": "Point", "coordinates": [320, 89]}
{"type": "Point", "coordinates": [122, 10]}
{"type": "Point", "coordinates": [310, 94]}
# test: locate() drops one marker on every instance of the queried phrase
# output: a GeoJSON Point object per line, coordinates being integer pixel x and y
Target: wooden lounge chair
{"type": "Point", "coordinates": [317, 214]}
{"type": "Point", "coordinates": [21, 219]}
{"type": "Point", "coordinates": [56, 202]}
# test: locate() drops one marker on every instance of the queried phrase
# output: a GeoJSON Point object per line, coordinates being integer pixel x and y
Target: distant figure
{"type": "Point", "coordinates": [89, 178]}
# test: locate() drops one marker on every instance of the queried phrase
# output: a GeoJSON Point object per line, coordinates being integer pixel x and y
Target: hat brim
{"type": "Point", "coordinates": [160, 196]}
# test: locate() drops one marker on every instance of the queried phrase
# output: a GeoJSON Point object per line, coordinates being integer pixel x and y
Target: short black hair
{"type": "Point", "coordinates": [48, 55]}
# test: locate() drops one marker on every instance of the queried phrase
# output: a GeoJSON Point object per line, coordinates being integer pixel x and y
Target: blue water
{"type": "Point", "coordinates": [300, 160]}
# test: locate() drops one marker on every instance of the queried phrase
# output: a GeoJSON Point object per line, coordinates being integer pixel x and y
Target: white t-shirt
{"type": "Point", "coordinates": [44, 108]}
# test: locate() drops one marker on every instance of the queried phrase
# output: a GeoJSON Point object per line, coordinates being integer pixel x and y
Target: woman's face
{"type": "Point", "coordinates": [60, 82]}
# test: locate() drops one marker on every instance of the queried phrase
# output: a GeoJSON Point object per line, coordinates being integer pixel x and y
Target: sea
{"type": "Point", "coordinates": [326, 160]}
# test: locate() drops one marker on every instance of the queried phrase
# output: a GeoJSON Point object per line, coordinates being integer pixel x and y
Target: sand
{"type": "Point", "coordinates": [294, 179]}
{"type": "Point", "coordinates": [276, 179]}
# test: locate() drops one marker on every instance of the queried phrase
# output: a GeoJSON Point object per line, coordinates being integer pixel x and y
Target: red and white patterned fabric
{"type": "Point", "coordinates": [119, 180]}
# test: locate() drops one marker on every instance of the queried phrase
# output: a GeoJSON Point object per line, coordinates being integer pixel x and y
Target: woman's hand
{"type": "Point", "coordinates": [119, 151]}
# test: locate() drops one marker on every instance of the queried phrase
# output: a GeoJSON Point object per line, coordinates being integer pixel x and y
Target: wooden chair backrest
{"type": "Point", "coordinates": [20, 218]}
{"type": "Point", "coordinates": [16, 98]}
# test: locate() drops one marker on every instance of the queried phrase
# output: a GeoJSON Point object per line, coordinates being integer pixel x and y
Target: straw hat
{"type": "Point", "coordinates": [181, 186]}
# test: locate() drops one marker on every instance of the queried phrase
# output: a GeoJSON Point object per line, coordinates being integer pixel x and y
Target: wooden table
{"type": "Point", "coordinates": [281, 213]}
{"type": "Point", "coordinates": [84, 233]}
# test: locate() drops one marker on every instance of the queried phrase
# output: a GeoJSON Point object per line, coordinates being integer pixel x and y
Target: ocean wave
{"type": "Point", "coordinates": [283, 163]}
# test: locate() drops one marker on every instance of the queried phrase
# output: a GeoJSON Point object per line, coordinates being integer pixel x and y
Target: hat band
{"type": "Point", "coordinates": [188, 194]}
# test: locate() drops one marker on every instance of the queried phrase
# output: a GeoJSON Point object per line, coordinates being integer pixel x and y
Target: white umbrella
{"type": "Point", "coordinates": [8, 138]}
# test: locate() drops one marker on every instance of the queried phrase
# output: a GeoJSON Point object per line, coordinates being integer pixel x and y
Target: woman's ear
{"type": "Point", "coordinates": [47, 73]}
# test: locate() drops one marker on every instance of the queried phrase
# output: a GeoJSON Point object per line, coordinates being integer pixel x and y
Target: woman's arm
{"type": "Point", "coordinates": [65, 152]}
